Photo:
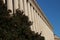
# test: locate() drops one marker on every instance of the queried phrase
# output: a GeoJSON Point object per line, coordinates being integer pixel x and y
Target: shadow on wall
{"type": "Point", "coordinates": [16, 27]}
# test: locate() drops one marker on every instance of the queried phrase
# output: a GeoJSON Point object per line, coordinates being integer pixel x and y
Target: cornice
{"type": "Point", "coordinates": [41, 13]}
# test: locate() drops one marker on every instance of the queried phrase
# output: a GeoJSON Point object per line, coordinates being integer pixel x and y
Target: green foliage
{"type": "Point", "coordinates": [16, 27]}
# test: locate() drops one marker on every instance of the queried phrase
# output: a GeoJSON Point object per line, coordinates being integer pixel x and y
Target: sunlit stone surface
{"type": "Point", "coordinates": [35, 14]}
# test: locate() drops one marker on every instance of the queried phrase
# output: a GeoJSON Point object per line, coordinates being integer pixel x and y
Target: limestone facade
{"type": "Point", "coordinates": [35, 14]}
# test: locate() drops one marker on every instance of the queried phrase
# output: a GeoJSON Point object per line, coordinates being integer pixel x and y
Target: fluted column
{"type": "Point", "coordinates": [10, 6]}
{"type": "Point", "coordinates": [21, 4]}
{"type": "Point", "coordinates": [15, 5]}
{"type": "Point", "coordinates": [25, 7]}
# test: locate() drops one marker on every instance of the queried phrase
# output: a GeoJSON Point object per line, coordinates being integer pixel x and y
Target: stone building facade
{"type": "Point", "coordinates": [35, 14]}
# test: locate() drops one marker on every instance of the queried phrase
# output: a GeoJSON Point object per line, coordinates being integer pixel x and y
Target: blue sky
{"type": "Point", "coordinates": [51, 9]}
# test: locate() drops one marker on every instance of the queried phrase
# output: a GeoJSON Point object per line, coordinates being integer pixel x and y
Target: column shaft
{"type": "Point", "coordinates": [36, 26]}
{"type": "Point", "coordinates": [25, 7]}
{"type": "Point", "coordinates": [30, 13]}
{"type": "Point", "coordinates": [10, 6]}
{"type": "Point", "coordinates": [39, 27]}
{"type": "Point", "coordinates": [32, 18]}
{"type": "Point", "coordinates": [37, 22]}
{"type": "Point", "coordinates": [33, 21]}
{"type": "Point", "coordinates": [15, 5]}
{"type": "Point", "coordinates": [21, 4]}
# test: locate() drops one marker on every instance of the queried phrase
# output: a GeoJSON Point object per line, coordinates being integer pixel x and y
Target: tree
{"type": "Point", "coordinates": [16, 27]}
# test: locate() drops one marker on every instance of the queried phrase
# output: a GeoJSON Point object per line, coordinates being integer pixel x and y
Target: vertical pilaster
{"type": "Point", "coordinates": [25, 7]}
{"type": "Point", "coordinates": [34, 21]}
{"type": "Point", "coordinates": [15, 5]}
{"type": "Point", "coordinates": [21, 4]}
{"type": "Point", "coordinates": [30, 13]}
{"type": "Point", "coordinates": [36, 26]}
{"type": "Point", "coordinates": [38, 23]}
{"type": "Point", "coordinates": [10, 6]}
{"type": "Point", "coordinates": [32, 18]}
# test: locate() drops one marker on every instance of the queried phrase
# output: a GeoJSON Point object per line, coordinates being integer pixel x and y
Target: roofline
{"type": "Point", "coordinates": [44, 18]}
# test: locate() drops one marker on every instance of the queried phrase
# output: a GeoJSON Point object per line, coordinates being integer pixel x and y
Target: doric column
{"type": "Point", "coordinates": [37, 22]}
{"type": "Point", "coordinates": [21, 4]}
{"type": "Point", "coordinates": [15, 5]}
{"type": "Point", "coordinates": [36, 26]}
{"type": "Point", "coordinates": [10, 6]}
{"type": "Point", "coordinates": [32, 18]}
{"type": "Point", "coordinates": [40, 24]}
{"type": "Point", "coordinates": [25, 7]}
{"type": "Point", "coordinates": [30, 13]}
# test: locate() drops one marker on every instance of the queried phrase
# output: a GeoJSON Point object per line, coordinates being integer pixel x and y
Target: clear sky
{"type": "Point", "coordinates": [51, 9]}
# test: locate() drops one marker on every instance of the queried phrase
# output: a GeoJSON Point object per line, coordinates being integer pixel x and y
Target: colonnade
{"type": "Point", "coordinates": [28, 11]}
